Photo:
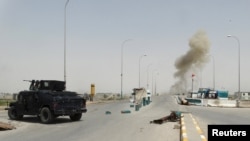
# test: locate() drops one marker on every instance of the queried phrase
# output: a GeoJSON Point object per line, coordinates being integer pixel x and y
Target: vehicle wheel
{"type": "Point", "coordinates": [12, 113]}
{"type": "Point", "coordinates": [76, 117]}
{"type": "Point", "coordinates": [46, 116]}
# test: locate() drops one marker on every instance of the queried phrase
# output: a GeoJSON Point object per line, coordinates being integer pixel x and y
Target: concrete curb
{"type": "Point", "coordinates": [186, 129]}
{"type": "Point", "coordinates": [183, 132]}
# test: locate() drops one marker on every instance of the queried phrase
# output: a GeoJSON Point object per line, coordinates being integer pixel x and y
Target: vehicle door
{"type": "Point", "coordinates": [32, 103]}
{"type": "Point", "coordinates": [20, 104]}
{"type": "Point", "coordinates": [26, 100]}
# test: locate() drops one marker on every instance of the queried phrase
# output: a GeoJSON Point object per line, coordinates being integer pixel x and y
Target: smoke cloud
{"type": "Point", "coordinates": [191, 62]}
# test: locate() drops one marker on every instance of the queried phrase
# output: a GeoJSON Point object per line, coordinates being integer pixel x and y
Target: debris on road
{"type": "Point", "coordinates": [107, 112]}
{"type": "Point", "coordinates": [183, 101]}
{"type": "Point", "coordinates": [6, 126]}
{"type": "Point", "coordinates": [125, 111]}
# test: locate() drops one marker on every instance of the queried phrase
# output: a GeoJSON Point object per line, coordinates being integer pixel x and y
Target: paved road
{"type": "Point", "coordinates": [198, 118]}
{"type": "Point", "coordinates": [217, 115]}
{"type": "Point", "coordinates": [96, 125]}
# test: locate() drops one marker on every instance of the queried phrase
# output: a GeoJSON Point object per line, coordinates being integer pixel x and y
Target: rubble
{"type": "Point", "coordinates": [6, 126]}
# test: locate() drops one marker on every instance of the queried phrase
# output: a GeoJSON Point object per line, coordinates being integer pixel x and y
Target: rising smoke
{"type": "Point", "coordinates": [191, 63]}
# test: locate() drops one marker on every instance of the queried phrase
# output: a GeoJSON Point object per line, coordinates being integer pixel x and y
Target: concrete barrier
{"type": "Point", "coordinates": [244, 104]}
{"type": "Point", "coordinates": [194, 101]}
{"type": "Point", "coordinates": [221, 103]}
{"type": "Point", "coordinates": [215, 102]}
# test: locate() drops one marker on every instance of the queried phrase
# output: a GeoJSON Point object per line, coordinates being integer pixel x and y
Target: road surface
{"type": "Point", "coordinates": [96, 125]}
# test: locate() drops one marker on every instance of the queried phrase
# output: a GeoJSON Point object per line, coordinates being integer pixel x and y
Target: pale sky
{"type": "Point", "coordinates": [32, 43]}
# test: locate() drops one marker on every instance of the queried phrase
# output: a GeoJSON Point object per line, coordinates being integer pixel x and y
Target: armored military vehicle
{"type": "Point", "coordinates": [47, 99]}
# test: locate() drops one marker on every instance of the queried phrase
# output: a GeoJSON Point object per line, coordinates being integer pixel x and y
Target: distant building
{"type": "Point", "coordinates": [242, 95]}
{"type": "Point", "coordinates": [209, 94]}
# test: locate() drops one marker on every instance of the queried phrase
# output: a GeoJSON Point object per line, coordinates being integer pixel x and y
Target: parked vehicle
{"type": "Point", "coordinates": [47, 99]}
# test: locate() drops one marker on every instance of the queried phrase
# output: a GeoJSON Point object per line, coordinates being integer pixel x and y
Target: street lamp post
{"type": "Point", "coordinates": [140, 69]}
{"type": "Point", "coordinates": [192, 85]}
{"type": "Point", "coordinates": [65, 41]}
{"type": "Point", "coordinates": [156, 82]}
{"type": "Point", "coordinates": [148, 75]}
{"type": "Point", "coordinates": [213, 73]}
{"type": "Point", "coordinates": [238, 67]}
{"type": "Point", "coordinates": [122, 64]}
{"type": "Point", "coordinates": [153, 80]}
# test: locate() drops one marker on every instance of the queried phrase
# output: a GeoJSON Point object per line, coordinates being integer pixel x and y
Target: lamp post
{"type": "Point", "coordinates": [238, 67]}
{"type": "Point", "coordinates": [65, 41]}
{"type": "Point", "coordinates": [148, 75]}
{"type": "Point", "coordinates": [140, 69]}
{"type": "Point", "coordinates": [192, 85]}
{"type": "Point", "coordinates": [122, 64]}
{"type": "Point", "coordinates": [213, 72]}
{"type": "Point", "coordinates": [153, 80]}
{"type": "Point", "coordinates": [156, 82]}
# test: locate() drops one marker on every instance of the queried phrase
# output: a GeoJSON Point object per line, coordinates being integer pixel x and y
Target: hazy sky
{"type": "Point", "coordinates": [32, 43]}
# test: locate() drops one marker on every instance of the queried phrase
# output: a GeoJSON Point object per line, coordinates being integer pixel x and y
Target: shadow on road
{"type": "Point", "coordinates": [35, 119]}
